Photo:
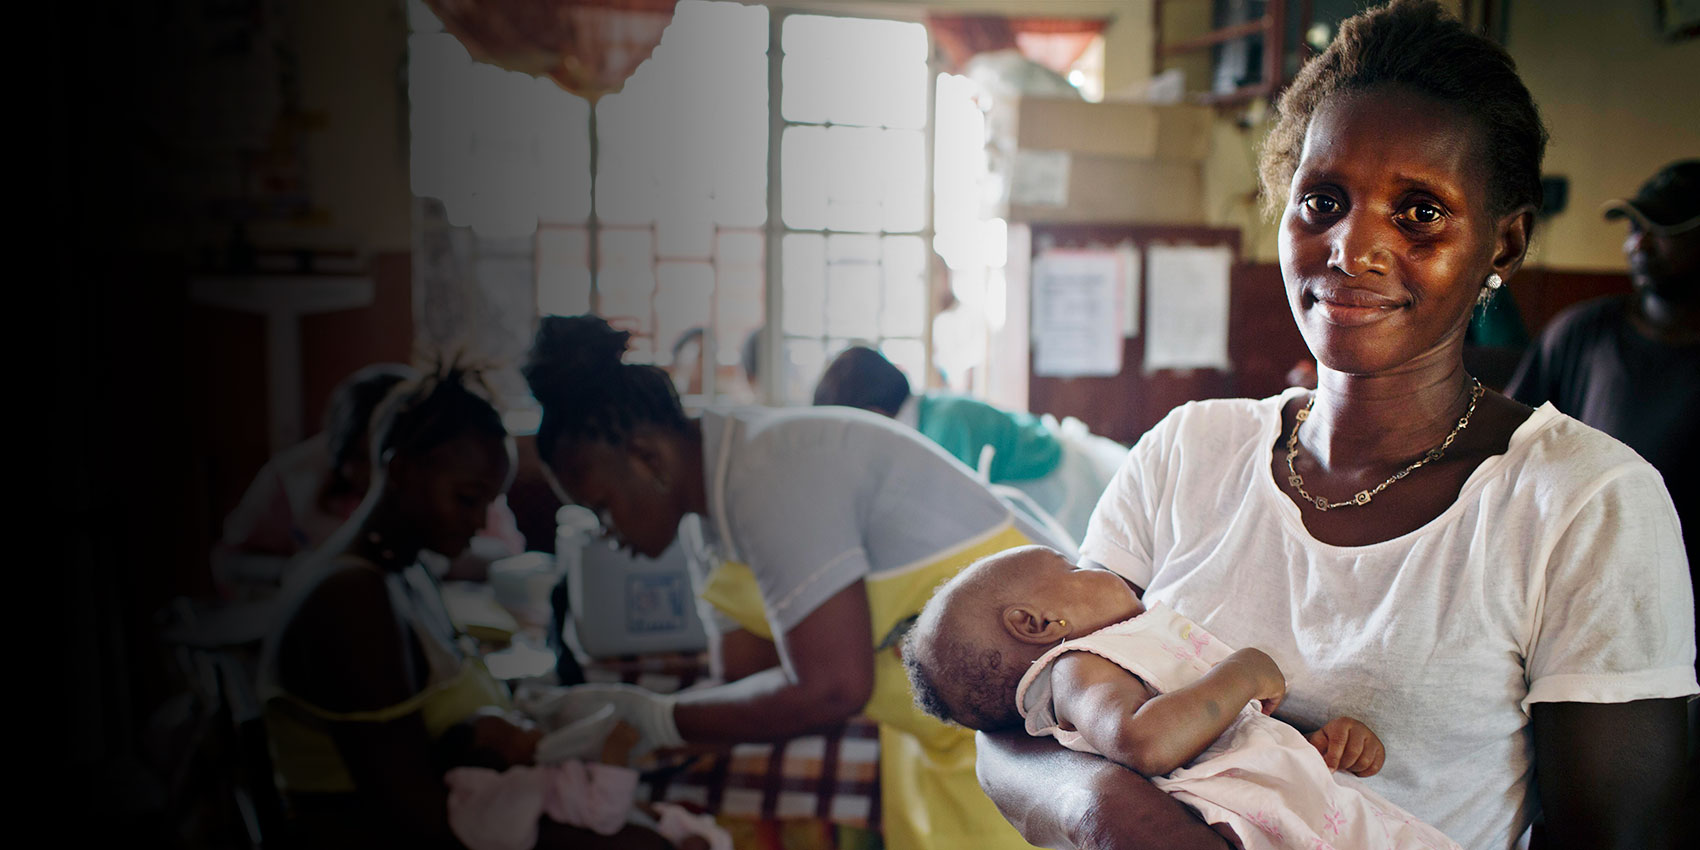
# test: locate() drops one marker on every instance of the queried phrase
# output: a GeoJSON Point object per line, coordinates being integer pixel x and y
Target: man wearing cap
{"type": "Point", "coordinates": [1629, 365]}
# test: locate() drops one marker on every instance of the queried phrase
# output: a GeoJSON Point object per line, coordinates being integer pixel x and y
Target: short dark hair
{"type": "Point", "coordinates": [984, 684]}
{"type": "Point", "coordinates": [1414, 44]}
{"type": "Point", "coordinates": [862, 377]}
{"type": "Point", "coordinates": [575, 370]}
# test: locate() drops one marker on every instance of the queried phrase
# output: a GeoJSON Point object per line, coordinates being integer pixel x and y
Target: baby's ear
{"type": "Point", "coordinates": [1029, 626]}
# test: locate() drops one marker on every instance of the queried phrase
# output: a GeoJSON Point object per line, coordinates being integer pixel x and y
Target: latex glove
{"type": "Point", "coordinates": [580, 740]}
{"type": "Point", "coordinates": [650, 713]}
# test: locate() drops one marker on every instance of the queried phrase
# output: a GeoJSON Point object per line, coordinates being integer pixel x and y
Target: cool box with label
{"type": "Point", "coordinates": [625, 604]}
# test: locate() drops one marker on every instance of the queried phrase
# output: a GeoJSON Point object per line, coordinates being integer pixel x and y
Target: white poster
{"type": "Point", "coordinates": [1077, 313]}
{"type": "Point", "coordinates": [1188, 308]}
{"type": "Point", "coordinates": [1128, 254]}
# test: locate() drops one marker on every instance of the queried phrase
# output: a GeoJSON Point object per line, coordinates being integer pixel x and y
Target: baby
{"type": "Point", "coordinates": [1025, 635]}
{"type": "Point", "coordinates": [498, 790]}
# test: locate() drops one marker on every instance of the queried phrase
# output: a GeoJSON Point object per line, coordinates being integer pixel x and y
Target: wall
{"type": "Point", "coordinates": [352, 57]}
{"type": "Point", "coordinates": [1619, 101]}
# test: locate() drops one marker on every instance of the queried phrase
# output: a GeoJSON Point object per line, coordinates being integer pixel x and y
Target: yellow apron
{"type": "Point", "coordinates": [929, 796]}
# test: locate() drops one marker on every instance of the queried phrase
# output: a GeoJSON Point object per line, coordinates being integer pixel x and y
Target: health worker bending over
{"type": "Point", "coordinates": [819, 534]}
{"type": "Point", "coordinates": [1499, 592]}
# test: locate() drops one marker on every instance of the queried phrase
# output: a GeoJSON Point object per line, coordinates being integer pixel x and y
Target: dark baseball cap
{"type": "Point", "coordinates": [1668, 203]}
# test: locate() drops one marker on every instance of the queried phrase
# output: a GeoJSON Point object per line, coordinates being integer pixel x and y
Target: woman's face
{"type": "Point", "coordinates": [1387, 239]}
{"type": "Point", "coordinates": [625, 489]}
{"type": "Point", "coordinates": [447, 491]}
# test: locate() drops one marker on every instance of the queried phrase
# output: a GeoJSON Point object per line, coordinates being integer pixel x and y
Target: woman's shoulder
{"type": "Point", "coordinates": [1553, 448]}
{"type": "Point", "coordinates": [1220, 423]}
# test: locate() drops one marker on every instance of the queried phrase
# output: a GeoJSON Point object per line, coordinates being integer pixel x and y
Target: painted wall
{"type": "Point", "coordinates": [1620, 102]}
{"type": "Point", "coordinates": [351, 57]}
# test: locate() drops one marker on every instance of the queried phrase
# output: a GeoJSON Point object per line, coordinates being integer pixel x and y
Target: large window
{"type": "Point", "coordinates": [694, 233]}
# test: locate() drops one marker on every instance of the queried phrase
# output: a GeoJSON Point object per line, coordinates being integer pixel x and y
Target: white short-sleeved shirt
{"type": "Point", "coordinates": [813, 499]}
{"type": "Point", "coordinates": [1557, 576]}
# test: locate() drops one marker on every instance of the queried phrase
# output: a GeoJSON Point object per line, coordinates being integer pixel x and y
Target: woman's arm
{"type": "Point", "coordinates": [1121, 717]}
{"type": "Point", "coordinates": [1060, 798]}
{"type": "Point", "coordinates": [825, 675]}
{"type": "Point", "coordinates": [739, 653]}
{"type": "Point", "coordinates": [1610, 774]}
{"type": "Point", "coordinates": [359, 660]}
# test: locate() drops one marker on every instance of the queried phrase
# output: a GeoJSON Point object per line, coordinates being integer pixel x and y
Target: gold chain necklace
{"type": "Point", "coordinates": [1297, 481]}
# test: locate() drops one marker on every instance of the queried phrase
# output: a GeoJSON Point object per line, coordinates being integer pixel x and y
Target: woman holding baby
{"type": "Point", "coordinates": [1499, 592]}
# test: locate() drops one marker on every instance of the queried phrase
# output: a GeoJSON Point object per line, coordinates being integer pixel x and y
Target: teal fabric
{"type": "Point", "coordinates": [1498, 324]}
{"type": "Point", "coordinates": [1024, 448]}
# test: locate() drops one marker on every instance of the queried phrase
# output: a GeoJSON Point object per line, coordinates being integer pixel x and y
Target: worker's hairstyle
{"type": "Point", "coordinates": [1414, 44]}
{"type": "Point", "coordinates": [348, 416]}
{"type": "Point", "coordinates": [448, 402]}
{"type": "Point", "coordinates": [952, 678]}
{"type": "Point", "coordinates": [575, 370]}
{"type": "Point", "coordinates": [862, 377]}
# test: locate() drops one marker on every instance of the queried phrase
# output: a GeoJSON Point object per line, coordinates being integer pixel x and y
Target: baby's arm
{"type": "Point", "coordinates": [1122, 717]}
{"type": "Point", "coordinates": [1347, 744]}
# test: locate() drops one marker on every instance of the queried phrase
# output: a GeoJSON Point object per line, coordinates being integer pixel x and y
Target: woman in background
{"type": "Point", "coordinates": [815, 534]}
{"type": "Point", "coordinates": [366, 672]}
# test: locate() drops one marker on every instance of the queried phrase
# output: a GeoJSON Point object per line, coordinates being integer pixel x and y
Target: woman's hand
{"type": "Point", "coordinates": [1347, 744]}
{"type": "Point", "coordinates": [1269, 684]}
{"type": "Point", "coordinates": [1057, 797]}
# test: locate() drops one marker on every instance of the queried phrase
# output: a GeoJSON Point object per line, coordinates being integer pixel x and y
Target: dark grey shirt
{"type": "Point", "coordinates": [1592, 364]}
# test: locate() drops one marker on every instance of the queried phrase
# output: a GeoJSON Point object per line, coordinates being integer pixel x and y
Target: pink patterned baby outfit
{"type": "Point", "coordinates": [1261, 777]}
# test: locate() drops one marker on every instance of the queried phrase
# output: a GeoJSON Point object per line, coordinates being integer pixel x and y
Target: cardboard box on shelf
{"type": "Point", "coordinates": [1134, 130]}
{"type": "Point", "coordinates": [1078, 162]}
{"type": "Point", "coordinates": [1119, 189]}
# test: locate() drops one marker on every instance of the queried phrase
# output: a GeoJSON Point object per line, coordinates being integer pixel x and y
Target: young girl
{"type": "Point", "coordinates": [1026, 635]}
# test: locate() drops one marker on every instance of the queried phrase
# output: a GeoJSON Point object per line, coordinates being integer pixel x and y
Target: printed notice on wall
{"type": "Point", "coordinates": [1077, 313]}
{"type": "Point", "coordinates": [1188, 307]}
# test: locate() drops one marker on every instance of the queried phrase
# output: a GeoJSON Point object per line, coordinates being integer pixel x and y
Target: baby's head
{"type": "Point", "coordinates": [489, 738]}
{"type": "Point", "coordinates": [980, 632]}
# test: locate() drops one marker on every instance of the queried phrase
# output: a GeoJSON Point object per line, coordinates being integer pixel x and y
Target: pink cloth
{"type": "Point", "coordinates": [490, 810]}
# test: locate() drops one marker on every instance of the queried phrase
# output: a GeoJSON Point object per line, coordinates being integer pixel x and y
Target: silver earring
{"type": "Point", "coordinates": [1494, 281]}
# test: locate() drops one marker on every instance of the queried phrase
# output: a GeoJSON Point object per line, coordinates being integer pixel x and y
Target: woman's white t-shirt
{"type": "Point", "coordinates": [1557, 576]}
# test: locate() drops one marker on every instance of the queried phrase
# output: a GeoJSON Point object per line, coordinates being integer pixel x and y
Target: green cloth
{"type": "Point", "coordinates": [1498, 324]}
{"type": "Point", "coordinates": [1024, 449]}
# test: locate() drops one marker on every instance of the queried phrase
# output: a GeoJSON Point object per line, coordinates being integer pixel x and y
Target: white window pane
{"type": "Point", "coordinates": [904, 266]}
{"type": "Point", "coordinates": [903, 165]}
{"type": "Point", "coordinates": [844, 248]}
{"type": "Point", "coordinates": [853, 300]}
{"type": "Point", "coordinates": [855, 71]}
{"type": "Point", "coordinates": [689, 129]}
{"type": "Point", "coordinates": [685, 230]}
{"type": "Point", "coordinates": [804, 282]}
{"type": "Point", "coordinates": [804, 361]}
{"type": "Point", "coordinates": [910, 356]}
{"type": "Point", "coordinates": [740, 302]}
{"type": "Point", "coordinates": [626, 283]}
{"type": "Point", "coordinates": [806, 163]}
{"type": "Point", "coordinates": [684, 299]}
{"type": "Point", "coordinates": [563, 272]}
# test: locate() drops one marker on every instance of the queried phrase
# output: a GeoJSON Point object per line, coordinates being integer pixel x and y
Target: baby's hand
{"type": "Point", "coordinates": [1347, 744]}
{"type": "Point", "coordinates": [1271, 685]}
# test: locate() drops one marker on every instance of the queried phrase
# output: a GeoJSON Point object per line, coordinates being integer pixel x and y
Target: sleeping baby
{"type": "Point", "coordinates": [1026, 638]}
